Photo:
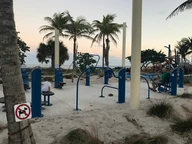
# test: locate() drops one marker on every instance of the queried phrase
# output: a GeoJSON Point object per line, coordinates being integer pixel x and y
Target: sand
{"type": "Point", "coordinates": [102, 116]}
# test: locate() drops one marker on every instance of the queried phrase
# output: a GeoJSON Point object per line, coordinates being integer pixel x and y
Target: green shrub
{"type": "Point", "coordinates": [186, 80]}
{"type": "Point", "coordinates": [101, 75]}
{"type": "Point", "coordinates": [78, 136]}
{"type": "Point", "coordinates": [50, 79]}
{"type": "Point", "coordinates": [146, 139]}
{"type": "Point", "coordinates": [161, 109]}
{"type": "Point", "coordinates": [182, 125]}
{"type": "Point", "coordinates": [69, 76]}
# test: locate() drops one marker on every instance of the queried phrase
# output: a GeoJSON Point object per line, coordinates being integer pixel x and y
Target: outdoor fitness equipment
{"type": "Point", "coordinates": [121, 85]}
{"type": "Point", "coordinates": [107, 72]}
{"type": "Point", "coordinates": [25, 77]}
{"type": "Point", "coordinates": [121, 91]}
{"type": "Point", "coordinates": [145, 77]}
{"type": "Point", "coordinates": [59, 78]}
{"type": "Point", "coordinates": [171, 85]}
{"type": "Point", "coordinates": [36, 92]}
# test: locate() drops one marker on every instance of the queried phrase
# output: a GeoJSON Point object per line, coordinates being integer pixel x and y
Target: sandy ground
{"type": "Point", "coordinates": [101, 115]}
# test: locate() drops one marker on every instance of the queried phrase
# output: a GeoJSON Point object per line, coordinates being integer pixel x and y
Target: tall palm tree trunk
{"type": "Point", "coordinates": [103, 58]}
{"type": "Point", "coordinates": [18, 132]}
{"type": "Point", "coordinates": [107, 52]}
{"type": "Point", "coordinates": [74, 58]}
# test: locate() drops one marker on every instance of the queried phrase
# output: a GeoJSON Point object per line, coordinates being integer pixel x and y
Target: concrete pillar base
{"type": "Point", "coordinates": [180, 91]}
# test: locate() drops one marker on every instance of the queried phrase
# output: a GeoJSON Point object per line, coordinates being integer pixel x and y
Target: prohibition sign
{"type": "Point", "coordinates": [22, 111]}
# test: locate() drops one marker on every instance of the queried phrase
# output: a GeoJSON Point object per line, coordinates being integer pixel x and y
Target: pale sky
{"type": "Point", "coordinates": [156, 31]}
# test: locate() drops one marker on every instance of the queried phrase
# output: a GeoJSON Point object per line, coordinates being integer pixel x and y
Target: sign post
{"type": "Point", "coordinates": [22, 112]}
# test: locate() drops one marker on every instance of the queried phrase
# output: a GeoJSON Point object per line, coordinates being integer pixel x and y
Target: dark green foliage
{"type": "Point", "coordinates": [58, 21]}
{"type": "Point", "coordinates": [107, 30]}
{"type": "Point", "coordinates": [78, 136]}
{"type": "Point", "coordinates": [182, 125]}
{"type": "Point", "coordinates": [161, 109]}
{"type": "Point", "coordinates": [84, 59]}
{"type": "Point", "coordinates": [50, 79]}
{"type": "Point", "coordinates": [150, 55]}
{"type": "Point", "coordinates": [184, 6]}
{"type": "Point", "coordinates": [22, 49]}
{"type": "Point", "coordinates": [186, 80]}
{"type": "Point", "coordinates": [184, 47]}
{"type": "Point", "coordinates": [146, 139]}
{"type": "Point", "coordinates": [45, 53]}
{"type": "Point", "coordinates": [69, 76]}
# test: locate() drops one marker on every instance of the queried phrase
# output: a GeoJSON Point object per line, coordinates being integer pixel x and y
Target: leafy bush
{"type": "Point", "coordinates": [146, 139]}
{"type": "Point", "coordinates": [161, 109]}
{"type": "Point", "coordinates": [84, 59]}
{"type": "Point", "coordinates": [50, 79]}
{"type": "Point", "coordinates": [182, 125]}
{"type": "Point", "coordinates": [186, 80]}
{"type": "Point", "coordinates": [78, 136]}
{"type": "Point", "coordinates": [70, 76]}
{"type": "Point", "coordinates": [101, 75]}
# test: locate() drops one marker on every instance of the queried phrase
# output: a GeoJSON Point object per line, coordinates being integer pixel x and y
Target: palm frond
{"type": "Point", "coordinates": [113, 39]}
{"type": "Point", "coordinates": [184, 6]}
{"type": "Point", "coordinates": [49, 35]}
{"type": "Point", "coordinates": [45, 28]}
{"type": "Point", "coordinates": [94, 39]}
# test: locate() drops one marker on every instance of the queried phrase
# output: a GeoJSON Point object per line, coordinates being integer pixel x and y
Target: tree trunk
{"type": "Point", "coordinates": [74, 58]}
{"type": "Point", "coordinates": [53, 55]}
{"type": "Point", "coordinates": [103, 58]}
{"type": "Point", "coordinates": [18, 132]}
{"type": "Point", "coordinates": [107, 52]}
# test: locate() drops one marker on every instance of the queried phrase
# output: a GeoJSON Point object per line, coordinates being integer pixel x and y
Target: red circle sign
{"type": "Point", "coordinates": [20, 111]}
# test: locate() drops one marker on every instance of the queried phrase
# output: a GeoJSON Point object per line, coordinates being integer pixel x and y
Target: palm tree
{"type": "Point", "coordinates": [184, 6]}
{"type": "Point", "coordinates": [59, 21]}
{"type": "Point", "coordinates": [107, 30]}
{"type": "Point", "coordinates": [45, 53]}
{"type": "Point", "coordinates": [77, 29]}
{"type": "Point", "coordinates": [18, 132]}
{"type": "Point", "coordinates": [183, 48]}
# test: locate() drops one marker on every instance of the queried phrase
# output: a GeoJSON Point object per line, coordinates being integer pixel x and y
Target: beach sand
{"type": "Point", "coordinates": [102, 116]}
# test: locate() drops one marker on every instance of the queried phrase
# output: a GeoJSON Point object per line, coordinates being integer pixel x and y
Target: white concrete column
{"type": "Point", "coordinates": [136, 53]}
{"type": "Point", "coordinates": [56, 48]}
{"type": "Point", "coordinates": [124, 44]}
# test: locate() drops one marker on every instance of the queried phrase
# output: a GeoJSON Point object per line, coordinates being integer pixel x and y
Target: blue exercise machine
{"type": "Point", "coordinates": [121, 85]}
{"type": "Point", "coordinates": [107, 74]}
{"type": "Point", "coordinates": [174, 79]}
{"type": "Point", "coordinates": [59, 83]}
{"type": "Point", "coordinates": [145, 78]}
{"type": "Point", "coordinates": [25, 78]}
{"type": "Point", "coordinates": [121, 90]}
{"type": "Point", "coordinates": [36, 92]}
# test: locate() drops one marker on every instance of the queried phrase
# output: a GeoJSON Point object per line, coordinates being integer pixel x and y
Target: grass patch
{"type": "Point", "coordinates": [182, 125]}
{"type": "Point", "coordinates": [146, 139]}
{"type": "Point", "coordinates": [161, 109]}
{"type": "Point", "coordinates": [101, 75]}
{"type": "Point", "coordinates": [185, 95]}
{"type": "Point", "coordinates": [78, 136]}
{"type": "Point", "coordinates": [70, 76]}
